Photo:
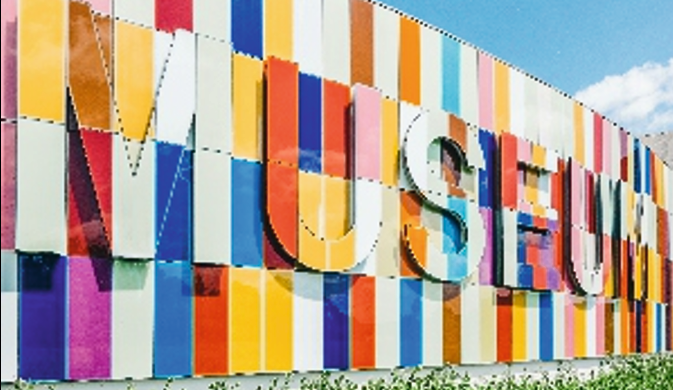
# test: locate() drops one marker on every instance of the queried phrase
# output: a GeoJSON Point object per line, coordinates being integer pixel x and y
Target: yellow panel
{"type": "Point", "coordinates": [519, 347]}
{"type": "Point", "coordinates": [638, 273]}
{"type": "Point", "coordinates": [531, 187]}
{"type": "Point", "coordinates": [578, 114]}
{"type": "Point", "coordinates": [133, 90]}
{"type": "Point", "coordinates": [312, 249]}
{"type": "Point", "coordinates": [388, 248]}
{"type": "Point", "coordinates": [487, 323]}
{"type": "Point", "coordinates": [342, 252]}
{"type": "Point", "coordinates": [279, 317]}
{"type": "Point", "coordinates": [245, 321]}
{"type": "Point", "coordinates": [389, 142]}
{"type": "Point", "coordinates": [630, 214]}
{"type": "Point", "coordinates": [41, 59]}
{"type": "Point", "coordinates": [278, 29]}
{"type": "Point", "coordinates": [539, 156]}
{"type": "Point", "coordinates": [336, 210]}
{"type": "Point", "coordinates": [501, 73]}
{"type": "Point", "coordinates": [248, 107]}
{"type": "Point", "coordinates": [580, 331]}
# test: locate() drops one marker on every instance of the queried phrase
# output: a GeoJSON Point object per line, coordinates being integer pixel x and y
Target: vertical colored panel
{"type": "Point", "coordinates": [132, 319]}
{"type": "Point", "coordinates": [9, 325]}
{"type": "Point", "coordinates": [308, 33]}
{"type": "Point", "coordinates": [173, 319]}
{"type": "Point", "coordinates": [89, 317]}
{"type": "Point", "coordinates": [451, 323]}
{"type": "Point", "coordinates": [580, 327]}
{"type": "Point", "coordinates": [213, 19]}
{"type": "Point", "coordinates": [248, 106]}
{"type": "Point", "coordinates": [547, 328]}
{"type": "Point", "coordinates": [386, 51]}
{"type": "Point", "coordinates": [501, 96]}
{"type": "Point", "coordinates": [310, 123]}
{"type": "Point", "coordinates": [279, 316]}
{"type": "Point", "coordinates": [283, 111]}
{"type": "Point", "coordinates": [363, 322]}
{"type": "Point", "coordinates": [278, 28]}
{"type": "Point", "coordinates": [389, 142]}
{"type": "Point", "coordinates": [8, 171]}
{"type": "Point", "coordinates": [173, 202]}
{"type": "Point", "coordinates": [336, 49]}
{"type": "Point", "coordinates": [246, 214]}
{"type": "Point", "coordinates": [137, 12]}
{"type": "Point", "coordinates": [8, 61]}
{"type": "Point", "coordinates": [246, 27]}
{"type": "Point", "coordinates": [504, 316]}
{"type": "Point", "coordinates": [451, 75]}
{"type": "Point", "coordinates": [336, 352]}
{"type": "Point", "coordinates": [520, 331]}
{"type": "Point", "coordinates": [244, 310]}
{"type": "Point", "coordinates": [336, 132]}
{"type": "Point", "coordinates": [362, 42]}
{"type": "Point", "coordinates": [42, 312]}
{"type": "Point", "coordinates": [410, 61]}
{"type": "Point", "coordinates": [486, 91]}
{"type": "Point", "coordinates": [411, 318]}
{"type": "Point", "coordinates": [170, 15]}
{"type": "Point", "coordinates": [469, 84]}
{"type": "Point", "coordinates": [42, 48]}
{"type": "Point", "coordinates": [307, 307]}
{"type": "Point", "coordinates": [431, 67]}
{"type": "Point", "coordinates": [211, 320]}
{"type": "Point", "coordinates": [367, 133]}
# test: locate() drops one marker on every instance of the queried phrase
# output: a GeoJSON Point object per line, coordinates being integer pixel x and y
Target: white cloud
{"type": "Point", "coordinates": [640, 100]}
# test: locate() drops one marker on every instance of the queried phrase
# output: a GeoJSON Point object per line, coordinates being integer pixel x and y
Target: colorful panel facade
{"type": "Point", "coordinates": [277, 186]}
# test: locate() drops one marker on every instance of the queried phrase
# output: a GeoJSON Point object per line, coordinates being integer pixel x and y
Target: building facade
{"type": "Point", "coordinates": [196, 188]}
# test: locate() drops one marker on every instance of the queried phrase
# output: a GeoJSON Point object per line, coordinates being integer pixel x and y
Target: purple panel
{"type": "Point", "coordinates": [8, 184]}
{"type": "Point", "coordinates": [8, 59]}
{"type": "Point", "coordinates": [90, 283]}
{"type": "Point", "coordinates": [42, 316]}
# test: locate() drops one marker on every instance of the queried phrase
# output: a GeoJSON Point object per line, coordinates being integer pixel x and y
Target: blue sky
{"type": "Point", "coordinates": [616, 56]}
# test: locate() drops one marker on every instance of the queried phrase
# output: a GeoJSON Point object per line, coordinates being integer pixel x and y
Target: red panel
{"type": "Point", "coordinates": [509, 178]}
{"type": "Point", "coordinates": [363, 322]}
{"type": "Point", "coordinates": [90, 193]}
{"type": "Point", "coordinates": [504, 321]}
{"type": "Point", "coordinates": [598, 143]}
{"type": "Point", "coordinates": [282, 208]}
{"type": "Point", "coordinates": [210, 320]}
{"type": "Point", "coordinates": [171, 15]}
{"type": "Point", "coordinates": [273, 258]}
{"type": "Point", "coordinates": [336, 126]}
{"type": "Point", "coordinates": [282, 111]}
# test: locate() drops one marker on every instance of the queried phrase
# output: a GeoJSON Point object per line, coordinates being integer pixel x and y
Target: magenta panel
{"type": "Point", "coordinates": [171, 15]}
{"type": "Point", "coordinates": [8, 60]}
{"type": "Point", "coordinates": [486, 265]}
{"type": "Point", "coordinates": [485, 91]}
{"type": "Point", "coordinates": [89, 331]}
{"type": "Point", "coordinates": [8, 185]}
{"type": "Point", "coordinates": [367, 132]}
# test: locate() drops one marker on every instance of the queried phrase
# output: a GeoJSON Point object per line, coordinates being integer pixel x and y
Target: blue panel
{"type": "Point", "coordinates": [639, 335]}
{"type": "Point", "coordinates": [486, 175]}
{"type": "Point", "coordinates": [648, 171]}
{"type": "Point", "coordinates": [524, 271]}
{"type": "Point", "coordinates": [310, 123]}
{"type": "Point", "coordinates": [658, 327]}
{"type": "Point", "coordinates": [246, 202]}
{"type": "Point", "coordinates": [546, 327]}
{"type": "Point", "coordinates": [173, 319]}
{"type": "Point", "coordinates": [335, 321]}
{"type": "Point", "coordinates": [411, 322]}
{"type": "Point", "coordinates": [636, 165]}
{"type": "Point", "coordinates": [451, 75]}
{"type": "Point", "coordinates": [42, 313]}
{"type": "Point", "coordinates": [173, 202]}
{"type": "Point", "coordinates": [246, 27]}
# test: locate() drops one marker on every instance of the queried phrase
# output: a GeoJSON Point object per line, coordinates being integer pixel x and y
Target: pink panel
{"type": "Point", "coordinates": [485, 91]}
{"type": "Point", "coordinates": [171, 15]}
{"type": "Point", "coordinates": [8, 167]}
{"type": "Point", "coordinates": [598, 143]}
{"type": "Point", "coordinates": [8, 60]}
{"type": "Point", "coordinates": [367, 132]}
{"type": "Point", "coordinates": [570, 326]}
{"type": "Point", "coordinates": [600, 325]}
{"type": "Point", "coordinates": [90, 282]}
{"type": "Point", "coordinates": [100, 6]}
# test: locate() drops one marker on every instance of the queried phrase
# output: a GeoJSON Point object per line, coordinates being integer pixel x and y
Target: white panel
{"type": "Point", "coordinates": [388, 247]}
{"type": "Point", "coordinates": [617, 327]}
{"type": "Point", "coordinates": [135, 11]}
{"type": "Point", "coordinates": [567, 114]}
{"type": "Point", "coordinates": [516, 102]}
{"type": "Point", "coordinates": [386, 51]}
{"type": "Point", "coordinates": [10, 316]}
{"type": "Point", "coordinates": [533, 325]}
{"type": "Point", "coordinates": [545, 115]}
{"type": "Point", "coordinates": [133, 200]}
{"type": "Point", "coordinates": [469, 95]}
{"type": "Point", "coordinates": [588, 117]}
{"type": "Point", "coordinates": [432, 324]}
{"type": "Point", "coordinates": [177, 93]}
{"type": "Point", "coordinates": [387, 322]}
{"type": "Point", "coordinates": [559, 325]}
{"type": "Point", "coordinates": [308, 36]}
{"type": "Point", "coordinates": [40, 188]}
{"type": "Point", "coordinates": [470, 325]}
{"type": "Point", "coordinates": [308, 323]}
{"type": "Point", "coordinates": [556, 127]}
{"type": "Point", "coordinates": [591, 326]}
{"type": "Point", "coordinates": [336, 40]}
{"type": "Point", "coordinates": [531, 108]}
{"type": "Point", "coordinates": [132, 318]}
{"type": "Point", "coordinates": [213, 95]}
{"type": "Point", "coordinates": [431, 68]}
{"type": "Point", "coordinates": [408, 114]}
{"type": "Point", "coordinates": [162, 44]}
{"type": "Point", "coordinates": [510, 258]}
{"type": "Point", "coordinates": [212, 207]}
{"type": "Point", "coordinates": [615, 149]}
{"type": "Point", "coordinates": [213, 18]}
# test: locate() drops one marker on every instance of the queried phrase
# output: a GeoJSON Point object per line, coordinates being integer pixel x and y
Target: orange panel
{"type": "Point", "coordinates": [362, 42]}
{"type": "Point", "coordinates": [282, 138]}
{"type": "Point", "coordinates": [451, 323]}
{"type": "Point", "coordinates": [410, 61]}
{"type": "Point", "coordinates": [363, 321]}
{"type": "Point", "coordinates": [336, 142]}
{"type": "Point", "coordinates": [211, 320]}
